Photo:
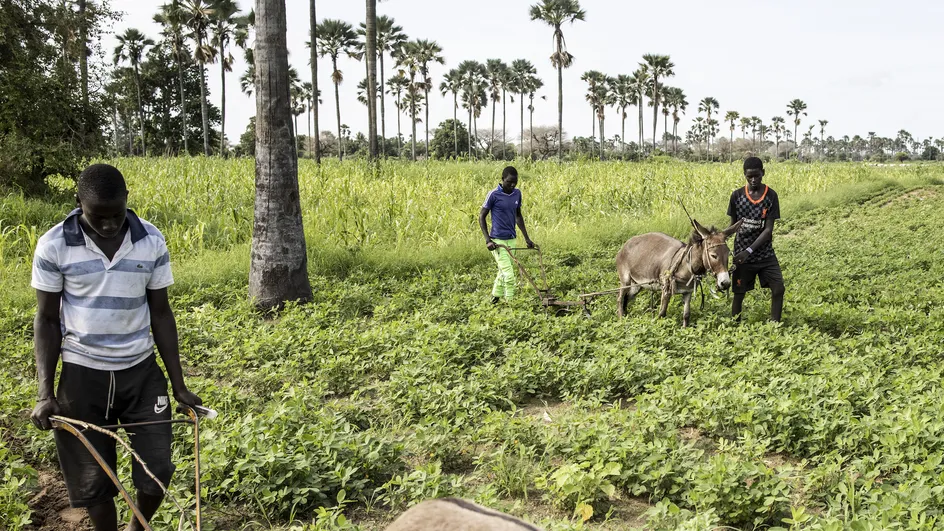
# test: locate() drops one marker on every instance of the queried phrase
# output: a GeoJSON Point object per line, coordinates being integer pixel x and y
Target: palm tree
{"type": "Point", "coordinates": [533, 84]}
{"type": "Point", "coordinates": [199, 13]}
{"type": "Point", "coordinates": [336, 37]}
{"type": "Point", "coordinates": [708, 105]}
{"type": "Point", "coordinates": [666, 91]}
{"type": "Point", "coordinates": [778, 132]}
{"type": "Point", "coordinates": [474, 77]}
{"type": "Point", "coordinates": [522, 72]}
{"type": "Point", "coordinates": [370, 48]}
{"type": "Point", "coordinates": [131, 45]}
{"type": "Point", "coordinates": [390, 36]}
{"type": "Point", "coordinates": [171, 17]}
{"type": "Point", "coordinates": [496, 73]}
{"type": "Point", "coordinates": [396, 86]}
{"type": "Point", "coordinates": [278, 268]}
{"type": "Point", "coordinates": [744, 123]}
{"type": "Point", "coordinates": [298, 96]}
{"type": "Point", "coordinates": [822, 130]}
{"type": "Point", "coordinates": [606, 97]}
{"type": "Point", "coordinates": [407, 59]}
{"type": "Point", "coordinates": [660, 66]}
{"type": "Point", "coordinates": [731, 117]}
{"type": "Point", "coordinates": [227, 25]}
{"type": "Point", "coordinates": [247, 81]}
{"type": "Point", "coordinates": [796, 108]}
{"type": "Point", "coordinates": [679, 104]}
{"type": "Point", "coordinates": [308, 90]}
{"type": "Point", "coordinates": [594, 79]}
{"type": "Point", "coordinates": [555, 13]}
{"type": "Point", "coordinates": [640, 81]}
{"type": "Point", "coordinates": [452, 84]}
{"type": "Point", "coordinates": [624, 98]}
{"type": "Point", "coordinates": [427, 52]}
{"type": "Point", "coordinates": [507, 85]}
{"type": "Point", "coordinates": [756, 122]}
{"type": "Point", "coordinates": [313, 60]}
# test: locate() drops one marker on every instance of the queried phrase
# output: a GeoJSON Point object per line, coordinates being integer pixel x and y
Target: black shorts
{"type": "Point", "coordinates": [768, 269]}
{"type": "Point", "coordinates": [138, 394]}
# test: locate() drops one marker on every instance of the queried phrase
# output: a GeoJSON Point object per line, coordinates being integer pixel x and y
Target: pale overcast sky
{"type": "Point", "coordinates": [864, 65]}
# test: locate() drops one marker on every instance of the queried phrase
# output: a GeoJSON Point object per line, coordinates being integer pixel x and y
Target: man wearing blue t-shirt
{"type": "Point", "coordinates": [504, 203]}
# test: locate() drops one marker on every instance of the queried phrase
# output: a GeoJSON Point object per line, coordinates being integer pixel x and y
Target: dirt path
{"type": "Point", "coordinates": [50, 506]}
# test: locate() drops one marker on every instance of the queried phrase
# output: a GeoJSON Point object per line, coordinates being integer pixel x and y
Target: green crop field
{"type": "Point", "coordinates": [400, 382]}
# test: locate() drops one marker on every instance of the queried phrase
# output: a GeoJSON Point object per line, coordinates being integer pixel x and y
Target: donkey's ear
{"type": "Point", "coordinates": [702, 231]}
{"type": "Point", "coordinates": [732, 229]}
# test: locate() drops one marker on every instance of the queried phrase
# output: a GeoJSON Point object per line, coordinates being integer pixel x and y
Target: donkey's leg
{"type": "Point", "coordinates": [626, 295]}
{"type": "Point", "coordinates": [687, 300]}
{"type": "Point", "coordinates": [621, 301]}
{"type": "Point", "coordinates": [665, 304]}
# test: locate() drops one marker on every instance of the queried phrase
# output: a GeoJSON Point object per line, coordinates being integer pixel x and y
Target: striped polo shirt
{"type": "Point", "coordinates": [106, 322]}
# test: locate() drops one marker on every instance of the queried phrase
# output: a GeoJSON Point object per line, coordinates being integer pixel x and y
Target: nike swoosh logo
{"type": "Point", "coordinates": [159, 409]}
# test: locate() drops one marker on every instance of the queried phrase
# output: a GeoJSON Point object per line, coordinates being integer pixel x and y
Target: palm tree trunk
{"type": "Point", "coordinates": [655, 109]}
{"type": "Point", "coordinates": [413, 120]}
{"type": "Point", "coordinates": [130, 128]}
{"type": "Point", "coordinates": [308, 114]}
{"type": "Point", "coordinates": [222, 103]}
{"type": "Point", "coordinates": [531, 130]}
{"type": "Point", "coordinates": [623, 134]}
{"type": "Point", "coordinates": [278, 268]}
{"type": "Point", "coordinates": [337, 107]}
{"type": "Point", "coordinates": [560, 110]}
{"type": "Point", "coordinates": [521, 97]}
{"type": "Point", "coordinates": [593, 128]}
{"type": "Point", "coordinates": [399, 135]}
{"type": "Point", "coordinates": [183, 98]}
{"type": "Point", "coordinates": [455, 124]}
{"type": "Point", "coordinates": [641, 133]}
{"type": "Point", "coordinates": [504, 124]}
{"type": "Point", "coordinates": [203, 110]}
{"type": "Point", "coordinates": [114, 125]}
{"type": "Point", "coordinates": [371, 50]}
{"type": "Point", "coordinates": [313, 25]}
{"type": "Point", "coordinates": [426, 107]}
{"type": "Point", "coordinates": [492, 139]}
{"type": "Point", "coordinates": [83, 67]}
{"type": "Point", "coordinates": [602, 137]}
{"type": "Point", "coordinates": [383, 112]}
{"type": "Point", "coordinates": [137, 84]}
{"type": "Point", "coordinates": [470, 130]}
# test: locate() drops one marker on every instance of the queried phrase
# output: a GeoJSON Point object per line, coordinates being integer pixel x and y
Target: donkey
{"type": "Point", "coordinates": [454, 514]}
{"type": "Point", "coordinates": [657, 261]}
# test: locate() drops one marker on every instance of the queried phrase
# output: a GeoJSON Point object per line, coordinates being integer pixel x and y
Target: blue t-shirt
{"type": "Point", "coordinates": [503, 207]}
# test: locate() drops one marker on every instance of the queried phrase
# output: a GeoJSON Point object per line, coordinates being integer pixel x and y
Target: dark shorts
{"type": "Point", "coordinates": [768, 270]}
{"type": "Point", "coordinates": [138, 394]}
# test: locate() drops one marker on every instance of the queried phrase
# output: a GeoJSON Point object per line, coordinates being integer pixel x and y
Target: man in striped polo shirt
{"type": "Point", "coordinates": [101, 279]}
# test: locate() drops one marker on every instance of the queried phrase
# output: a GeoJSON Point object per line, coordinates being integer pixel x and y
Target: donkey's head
{"type": "Point", "coordinates": [714, 250]}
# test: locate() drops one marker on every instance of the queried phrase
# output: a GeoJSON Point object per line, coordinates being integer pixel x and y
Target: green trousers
{"type": "Point", "coordinates": [505, 282]}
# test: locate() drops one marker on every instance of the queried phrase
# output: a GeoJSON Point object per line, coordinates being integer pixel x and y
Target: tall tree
{"type": "Point", "coordinates": [625, 96]}
{"type": "Point", "coordinates": [199, 13]}
{"type": "Point", "coordinates": [407, 59]}
{"type": "Point", "coordinates": [227, 24]}
{"type": "Point", "coordinates": [390, 36]}
{"type": "Point", "coordinates": [640, 80]}
{"type": "Point", "coordinates": [708, 105]}
{"type": "Point", "coordinates": [131, 45]}
{"type": "Point", "coordinates": [497, 73]}
{"type": "Point", "coordinates": [796, 108]}
{"type": "Point", "coordinates": [594, 80]}
{"type": "Point", "coordinates": [533, 84]}
{"type": "Point", "coordinates": [171, 17]}
{"type": "Point", "coordinates": [778, 122]}
{"type": "Point", "coordinates": [522, 72]}
{"type": "Point", "coordinates": [278, 268]}
{"type": "Point", "coordinates": [822, 130]}
{"type": "Point", "coordinates": [452, 84]}
{"type": "Point", "coordinates": [756, 122]}
{"type": "Point", "coordinates": [731, 117]}
{"type": "Point", "coordinates": [659, 66]}
{"type": "Point", "coordinates": [474, 84]}
{"type": "Point", "coordinates": [313, 60]}
{"type": "Point", "coordinates": [336, 37]}
{"type": "Point", "coordinates": [555, 13]}
{"type": "Point", "coordinates": [679, 104]}
{"type": "Point", "coordinates": [396, 86]}
{"type": "Point", "coordinates": [371, 50]}
{"type": "Point", "coordinates": [427, 52]}
{"type": "Point", "coordinates": [309, 91]}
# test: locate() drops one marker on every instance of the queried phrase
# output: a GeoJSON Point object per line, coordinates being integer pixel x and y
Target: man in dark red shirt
{"type": "Point", "coordinates": [757, 204]}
